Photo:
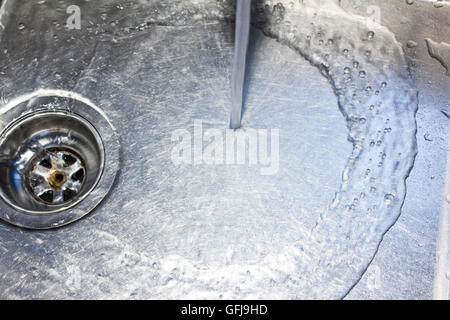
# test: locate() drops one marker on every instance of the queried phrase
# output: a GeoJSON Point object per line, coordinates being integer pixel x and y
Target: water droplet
{"type": "Point", "coordinates": [389, 198]}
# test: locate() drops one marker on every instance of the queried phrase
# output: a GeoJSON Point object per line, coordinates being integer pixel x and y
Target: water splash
{"type": "Point", "coordinates": [366, 67]}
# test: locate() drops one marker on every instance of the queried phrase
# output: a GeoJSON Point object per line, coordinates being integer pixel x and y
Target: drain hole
{"type": "Point", "coordinates": [46, 163]}
{"type": "Point", "coordinates": [79, 175]}
{"type": "Point", "coordinates": [47, 196]}
{"type": "Point", "coordinates": [57, 177]}
{"type": "Point", "coordinates": [68, 194]}
{"type": "Point", "coordinates": [69, 160]}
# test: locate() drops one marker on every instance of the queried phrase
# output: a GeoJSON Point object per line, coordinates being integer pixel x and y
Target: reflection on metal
{"type": "Point", "coordinates": [54, 154]}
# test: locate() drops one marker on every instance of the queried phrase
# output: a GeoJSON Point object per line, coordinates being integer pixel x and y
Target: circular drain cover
{"type": "Point", "coordinates": [58, 159]}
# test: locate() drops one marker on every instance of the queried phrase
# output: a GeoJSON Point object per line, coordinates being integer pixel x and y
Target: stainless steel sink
{"type": "Point", "coordinates": [137, 97]}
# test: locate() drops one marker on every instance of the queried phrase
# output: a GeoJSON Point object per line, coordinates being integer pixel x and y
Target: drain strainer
{"type": "Point", "coordinates": [56, 176]}
{"type": "Point", "coordinates": [58, 159]}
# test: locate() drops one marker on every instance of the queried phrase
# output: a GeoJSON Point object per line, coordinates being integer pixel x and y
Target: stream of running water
{"type": "Point", "coordinates": [240, 53]}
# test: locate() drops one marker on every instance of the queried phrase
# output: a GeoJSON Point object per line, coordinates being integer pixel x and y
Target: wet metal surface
{"type": "Point", "coordinates": [157, 79]}
{"type": "Point", "coordinates": [406, 263]}
{"type": "Point", "coordinates": [56, 164]}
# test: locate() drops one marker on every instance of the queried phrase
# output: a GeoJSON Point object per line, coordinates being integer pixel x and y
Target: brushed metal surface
{"type": "Point", "coordinates": [153, 79]}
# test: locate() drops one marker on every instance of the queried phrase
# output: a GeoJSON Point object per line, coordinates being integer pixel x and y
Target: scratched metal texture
{"type": "Point", "coordinates": [161, 79]}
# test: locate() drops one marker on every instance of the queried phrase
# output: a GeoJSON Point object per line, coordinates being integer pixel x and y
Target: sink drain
{"type": "Point", "coordinates": [56, 176]}
{"type": "Point", "coordinates": [58, 160]}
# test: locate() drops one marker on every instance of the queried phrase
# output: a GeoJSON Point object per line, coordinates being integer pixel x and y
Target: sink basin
{"type": "Point", "coordinates": [335, 187]}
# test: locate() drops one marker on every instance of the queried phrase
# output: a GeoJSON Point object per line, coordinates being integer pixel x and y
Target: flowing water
{"type": "Point", "coordinates": [365, 67]}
